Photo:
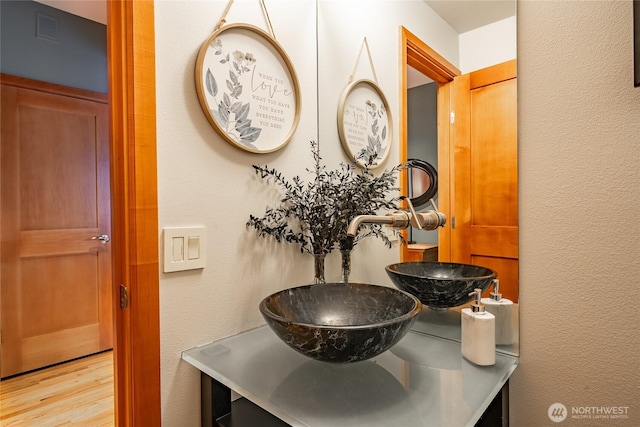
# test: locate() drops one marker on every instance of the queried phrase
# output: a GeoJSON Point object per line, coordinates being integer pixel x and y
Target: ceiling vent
{"type": "Point", "coordinates": [47, 28]}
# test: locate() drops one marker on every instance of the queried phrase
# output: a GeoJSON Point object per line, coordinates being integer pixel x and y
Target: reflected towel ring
{"type": "Point", "coordinates": [423, 178]}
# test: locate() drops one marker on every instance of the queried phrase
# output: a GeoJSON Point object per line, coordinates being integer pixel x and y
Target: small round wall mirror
{"type": "Point", "coordinates": [423, 181]}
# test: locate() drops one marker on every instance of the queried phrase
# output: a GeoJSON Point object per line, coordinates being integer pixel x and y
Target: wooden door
{"type": "Point", "coordinates": [56, 277]}
{"type": "Point", "coordinates": [484, 186]}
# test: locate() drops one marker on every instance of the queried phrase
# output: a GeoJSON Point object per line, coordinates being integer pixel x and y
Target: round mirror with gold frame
{"type": "Point", "coordinates": [248, 89]}
{"type": "Point", "coordinates": [364, 123]}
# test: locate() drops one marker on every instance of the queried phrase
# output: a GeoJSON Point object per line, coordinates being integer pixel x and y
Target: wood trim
{"type": "Point", "coordinates": [55, 89]}
{"type": "Point", "coordinates": [461, 161]}
{"type": "Point", "coordinates": [9, 226]}
{"type": "Point", "coordinates": [419, 55]}
{"type": "Point", "coordinates": [131, 53]}
{"type": "Point", "coordinates": [444, 170]}
{"type": "Point", "coordinates": [494, 74]}
{"type": "Point", "coordinates": [426, 60]}
{"type": "Point", "coordinates": [403, 131]}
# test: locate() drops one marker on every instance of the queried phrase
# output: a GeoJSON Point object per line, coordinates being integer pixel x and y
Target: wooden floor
{"type": "Point", "coordinates": [77, 393]}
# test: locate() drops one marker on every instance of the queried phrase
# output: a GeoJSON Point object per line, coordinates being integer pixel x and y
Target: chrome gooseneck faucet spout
{"type": "Point", "coordinates": [426, 220]}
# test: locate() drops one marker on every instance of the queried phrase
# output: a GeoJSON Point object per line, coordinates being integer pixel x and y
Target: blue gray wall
{"type": "Point", "coordinates": [78, 58]}
{"type": "Point", "coordinates": [423, 137]}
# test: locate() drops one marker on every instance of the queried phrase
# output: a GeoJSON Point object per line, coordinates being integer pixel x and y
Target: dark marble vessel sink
{"type": "Point", "coordinates": [338, 322]}
{"type": "Point", "coordinates": [440, 285]}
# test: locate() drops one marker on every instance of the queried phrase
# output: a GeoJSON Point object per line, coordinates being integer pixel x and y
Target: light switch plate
{"type": "Point", "coordinates": [184, 248]}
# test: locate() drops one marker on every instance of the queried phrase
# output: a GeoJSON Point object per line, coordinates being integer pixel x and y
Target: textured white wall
{"type": "Point", "coordinates": [579, 159]}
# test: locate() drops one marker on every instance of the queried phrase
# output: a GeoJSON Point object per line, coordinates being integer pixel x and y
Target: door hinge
{"type": "Point", "coordinates": [124, 297]}
{"type": "Point", "coordinates": [453, 118]}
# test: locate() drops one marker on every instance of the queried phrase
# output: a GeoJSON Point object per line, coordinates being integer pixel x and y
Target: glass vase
{"type": "Point", "coordinates": [318, 268]}
{"type": "Point", "coordinates": [346, 264]}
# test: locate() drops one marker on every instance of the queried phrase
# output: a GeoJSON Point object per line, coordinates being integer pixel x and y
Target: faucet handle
{"type": "Point", "coordinates": [415, 221]}
{"type": "Point", "coordinates": [428, 220]}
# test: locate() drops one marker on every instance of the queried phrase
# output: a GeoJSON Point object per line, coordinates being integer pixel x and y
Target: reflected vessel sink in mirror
{"type": "Point", "coordinates": [440, 285]}
{"type": "Point", "coordinates": [338, 322]}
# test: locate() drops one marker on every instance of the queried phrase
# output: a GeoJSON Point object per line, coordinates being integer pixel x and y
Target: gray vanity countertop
{"type": "Point", "coordinates": [421, 381]}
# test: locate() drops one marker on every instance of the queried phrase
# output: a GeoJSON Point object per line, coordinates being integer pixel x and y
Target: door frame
{"type": "Point", "coordinates": [132, 98]}
{"type": "Point", "coordinates": [417, 54]}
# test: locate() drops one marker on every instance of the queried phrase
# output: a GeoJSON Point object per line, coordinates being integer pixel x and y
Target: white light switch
{"type": "Point", "coordinates": [177, 247]}
{"type": "Point", "coordinates": [194, 247]}
{"type": "Point", "coordinates": [184, 248]}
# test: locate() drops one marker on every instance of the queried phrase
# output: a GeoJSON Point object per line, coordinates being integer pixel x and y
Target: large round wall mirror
{"type": "Point", "coordinates": [423, 181]}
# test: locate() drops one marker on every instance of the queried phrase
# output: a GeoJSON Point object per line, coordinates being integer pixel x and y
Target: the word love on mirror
{"type": "Point", "coordinates": [364, 123]}
{"type": "Point", "coordinates": [250, 91]}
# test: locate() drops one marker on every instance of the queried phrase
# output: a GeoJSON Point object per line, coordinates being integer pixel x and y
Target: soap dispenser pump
{"type": "Point", "coordinates": [478, 332]}
{"type": "Point", "coordinates": [503, 310]}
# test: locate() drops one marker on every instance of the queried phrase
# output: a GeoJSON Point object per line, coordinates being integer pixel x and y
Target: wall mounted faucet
{"type": "Point", "coordinates": [426, 220]}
